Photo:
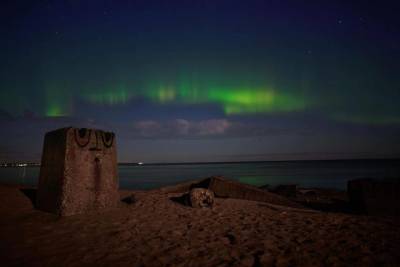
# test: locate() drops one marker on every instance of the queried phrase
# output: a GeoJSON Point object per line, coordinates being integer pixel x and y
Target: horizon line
{"type": "Point", "coordinates": [224, 162]}
{"type": "Point", "coordinates": [253, 161]}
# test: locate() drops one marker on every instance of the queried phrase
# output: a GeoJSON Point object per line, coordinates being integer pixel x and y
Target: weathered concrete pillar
{"type": "Point", "coordinates": [78, 172]}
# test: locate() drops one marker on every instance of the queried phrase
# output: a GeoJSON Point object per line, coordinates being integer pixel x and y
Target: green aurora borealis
{"type": "Point", "coordinates": [231, 100]}
{"type": "Point", "coordinates": [59, 99]}
{"type": "Point", "coordinates": [322, 76]}
{"type": "Point", "coordinates": [240, 100]}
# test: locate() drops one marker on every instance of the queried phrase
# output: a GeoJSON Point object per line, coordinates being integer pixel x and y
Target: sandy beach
{"type": "Point", "coordinates": [156, 230]}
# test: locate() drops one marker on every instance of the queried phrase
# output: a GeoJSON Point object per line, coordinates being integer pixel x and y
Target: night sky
{"type": "Point", "coordinates": [184, 81]}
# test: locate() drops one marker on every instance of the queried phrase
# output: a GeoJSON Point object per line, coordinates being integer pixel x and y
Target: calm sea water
{"type": "Point", "coordinates": [326, 174]}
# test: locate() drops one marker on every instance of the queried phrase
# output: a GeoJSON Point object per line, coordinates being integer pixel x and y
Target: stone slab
{"type": "Point", "coordinates": [78, 171]}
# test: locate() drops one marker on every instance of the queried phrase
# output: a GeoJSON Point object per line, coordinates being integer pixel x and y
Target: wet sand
{"type": "Point", "coordinates": [154, 230]}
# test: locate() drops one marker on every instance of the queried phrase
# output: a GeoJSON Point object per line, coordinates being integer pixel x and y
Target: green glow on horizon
{"type": "Point", "coordinates": [109, 96]}
{"type": "Point", "coordinates": [58, 101]}
{"type": "Point", "coordinates": [54, 110]}
{"type": "Point", "coordinates": [242, 96]}
{"type": "Point", "coordinates": [232, 101]}
{"type": "Point", "coordinates": [162, 94]}
{"type": "Point", "coordinates": [248, 101]}
{"type": "Point", "coordinates": [240, 100]}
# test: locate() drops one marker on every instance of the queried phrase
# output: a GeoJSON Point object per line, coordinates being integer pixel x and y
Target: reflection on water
{"type": "Point", "coordinates": [329, 174]}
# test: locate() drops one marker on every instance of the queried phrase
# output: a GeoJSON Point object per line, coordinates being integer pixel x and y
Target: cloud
{"type": "Point", "coordinates": [181, 128]}
{"type": "Point", "coordinates": [296, 126]}
{"type": "Point", "coordinates": [212, 127]}
{"type": "Point", "coordinates": [148, 128]}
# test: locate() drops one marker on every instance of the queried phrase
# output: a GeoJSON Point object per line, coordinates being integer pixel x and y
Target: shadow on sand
{"type": "Point", "coordinates": [31, 194]}
{"type": "Point", "coordinates": [182, 200]}
{"type": "Point", "coordinates": [129, 200]}
{"type": "Point", "coordinates": [339, 206]}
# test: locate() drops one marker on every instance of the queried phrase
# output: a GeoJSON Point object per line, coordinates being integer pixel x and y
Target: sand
{"type": "Point", "coordinates": [157, 231]}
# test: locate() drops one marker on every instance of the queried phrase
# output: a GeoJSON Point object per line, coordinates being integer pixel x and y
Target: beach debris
{"type": "Point", "coordinates": [232, 189]}
{"type": "Point", "coordinates": [375, 197]}
{"type": "Point", "coordinates": [201, 198]}
{"type": "Point", "coordinates": [225, 188]}
{"type": "Point", "coordinates": [78, 171]}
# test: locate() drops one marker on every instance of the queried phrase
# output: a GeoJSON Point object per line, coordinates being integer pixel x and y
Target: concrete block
{"type": "Point", "coordinates": [78, 172]}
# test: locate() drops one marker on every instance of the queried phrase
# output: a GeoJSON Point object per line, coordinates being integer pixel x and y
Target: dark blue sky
{"type": "Point", "coordinates": [204, 80]}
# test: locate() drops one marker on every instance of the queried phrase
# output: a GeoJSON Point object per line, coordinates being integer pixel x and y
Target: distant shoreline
{"type": "Point", "coordinates": [259, 161]}
{"type": "Point", "coordinates": [359, 160]}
